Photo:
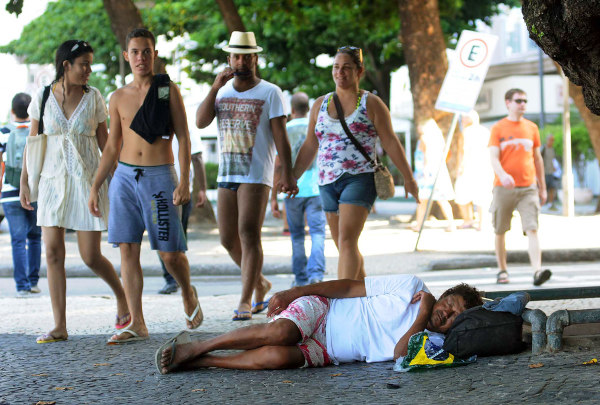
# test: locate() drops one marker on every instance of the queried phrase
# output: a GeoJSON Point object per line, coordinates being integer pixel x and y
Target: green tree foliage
{"type": "Point", "coordinates": [71, 19]}
{"type": "Point", "coordinates": [581, 145]}
{"type": "Point", "coordinates": [292, 32]}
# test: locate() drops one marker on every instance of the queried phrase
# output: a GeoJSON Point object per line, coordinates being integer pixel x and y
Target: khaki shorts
{"type": "Point", "coordinates": [524, 199]}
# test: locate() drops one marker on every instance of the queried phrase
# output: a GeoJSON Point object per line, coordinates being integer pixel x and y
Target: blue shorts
{"type": "Point", "coordinates": [229, 185]}
{"type": "Point", "coordinates": [355, 189]}
{"type": "Point", "coordinates": [141, 198]}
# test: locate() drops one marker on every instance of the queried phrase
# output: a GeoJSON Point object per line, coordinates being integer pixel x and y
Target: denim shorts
{"type": "Point", "coordinates": [229, 185]}
{"type": "Point", "coordinates": [355, 189]}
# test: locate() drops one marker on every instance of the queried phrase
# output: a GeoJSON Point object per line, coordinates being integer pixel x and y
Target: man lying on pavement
{"type": "Point", "coordinates": [331, 322]}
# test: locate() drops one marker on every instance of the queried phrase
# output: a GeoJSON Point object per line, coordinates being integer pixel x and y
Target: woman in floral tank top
{"type": "Point", "coordinates": [346, 181]}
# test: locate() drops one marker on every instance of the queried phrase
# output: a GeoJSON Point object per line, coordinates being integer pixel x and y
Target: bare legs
{"type": "Point", "coordinates": [345, 230]}
{"type": "Point", "coordinates": [133, 282]}
{"type": "Point", "coordinates": [241, 215]}
{"type": "Point", "coordinates": [446, 209]}
{"type": "Point", "coordinates": [267, 346]}
{"type": "Point", "coordinates": [178, 266]}
{"type": "Point", "coordinates": [89, 249]}
{"type": "Point", "coordinates": [501, 251]}
{"type": "Point", "coordinates": [535, 253]}
{"type": "Point", "coordinates": [54, 240]}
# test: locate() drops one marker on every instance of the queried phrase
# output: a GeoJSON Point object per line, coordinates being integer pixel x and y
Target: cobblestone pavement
{"type": "Point", "coordinates": [84, 370]}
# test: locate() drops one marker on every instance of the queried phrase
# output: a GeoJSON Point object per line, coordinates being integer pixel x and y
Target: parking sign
{"type": "Point", "coordinates": [466, 72]}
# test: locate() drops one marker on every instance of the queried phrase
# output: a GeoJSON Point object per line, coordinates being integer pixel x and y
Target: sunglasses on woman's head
{"type": "Point", "coordinates": [83, 43]}
{"type": "Point", "coordinates": [353, 49]}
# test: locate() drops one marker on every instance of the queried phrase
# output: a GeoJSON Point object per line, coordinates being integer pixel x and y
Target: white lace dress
{"type": "Point", "coordinates": [70, 163]}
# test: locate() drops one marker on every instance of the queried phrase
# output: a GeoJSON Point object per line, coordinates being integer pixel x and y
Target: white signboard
{"type": "Point", "coordinates": [466, 72]}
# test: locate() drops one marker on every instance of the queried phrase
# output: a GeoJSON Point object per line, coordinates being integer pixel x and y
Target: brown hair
{"type": "Point", "coordinates": [140, 33]}
{"type": "Point", "coordinates": [354, 52]}
{"type": "Point", "coordinates": [470, 294]}
{"type": "Point", "coordinates": [509, 94]}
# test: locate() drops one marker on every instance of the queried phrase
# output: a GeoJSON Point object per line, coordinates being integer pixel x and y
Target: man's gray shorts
{"type": "Point", "coordinates": [141, 198]}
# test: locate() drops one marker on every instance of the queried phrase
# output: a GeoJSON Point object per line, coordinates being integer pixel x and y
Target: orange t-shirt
{"type": "Point", "coordinates": [516, 140]}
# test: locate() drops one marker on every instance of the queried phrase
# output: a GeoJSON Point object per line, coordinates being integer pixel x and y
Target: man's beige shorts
{"type": "Point", "coordinates": [524, 199]}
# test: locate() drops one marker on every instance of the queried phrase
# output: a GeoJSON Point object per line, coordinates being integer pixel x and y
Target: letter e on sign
{"type": "Point", "coordinates": [473, 53]}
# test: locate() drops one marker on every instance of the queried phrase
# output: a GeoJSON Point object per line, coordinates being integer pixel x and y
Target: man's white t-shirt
{"type": "Point", "coordinates": [246, 146]}
{"type": "Point", "coordinates": [368, 328]}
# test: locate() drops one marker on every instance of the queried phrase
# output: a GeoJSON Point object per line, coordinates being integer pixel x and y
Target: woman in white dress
{"type": "Point", "coordinates": [75, 124]}
{"type": "Point", "coordinates": [428, 158]}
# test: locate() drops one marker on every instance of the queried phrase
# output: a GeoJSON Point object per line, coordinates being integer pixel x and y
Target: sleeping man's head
{"type": "Point", "coordinates": [451, 303]}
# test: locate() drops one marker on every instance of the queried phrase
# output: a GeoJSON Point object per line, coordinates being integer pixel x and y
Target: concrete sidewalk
{"type": "Point", "coordinates": [387, 244]}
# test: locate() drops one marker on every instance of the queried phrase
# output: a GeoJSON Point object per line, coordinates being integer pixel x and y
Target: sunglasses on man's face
{"type": "Point", "coordinates": [520, 101]}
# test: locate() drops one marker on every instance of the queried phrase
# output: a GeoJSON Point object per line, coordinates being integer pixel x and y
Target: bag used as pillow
{"type": "Point", "coordinates": [424, 353]}
{"type": "Point", "coordinates": [480, 332]}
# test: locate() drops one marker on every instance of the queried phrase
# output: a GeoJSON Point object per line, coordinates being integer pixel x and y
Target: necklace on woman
{"type": "Point", "coordinates": [358, 98]}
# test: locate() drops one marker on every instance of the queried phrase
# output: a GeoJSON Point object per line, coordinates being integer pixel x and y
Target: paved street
{"type": "Point", "coordinates": [85, 370]}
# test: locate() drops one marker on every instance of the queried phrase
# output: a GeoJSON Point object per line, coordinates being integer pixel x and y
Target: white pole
{"type": "Point", "coordinates": [443, 162]}
{"type": "Point", "coordinates": [568, 202]}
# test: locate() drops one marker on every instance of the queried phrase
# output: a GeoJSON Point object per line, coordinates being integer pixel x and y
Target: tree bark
{"type": "Point", "coordinates": [568, 31]}
{"type": "Point", "coordinates": [425, 53]}
{"type": "Point", "coordinates": [591, 120]}
{"type": "Point", "coordinates": [231, 17]}
{"type": "Point", "coordinates": [124, 17]}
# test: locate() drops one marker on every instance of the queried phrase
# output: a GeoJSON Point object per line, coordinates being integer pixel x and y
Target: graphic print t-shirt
{"type": "Point", "coordinates": [246, 146]}
{"type": "Point", "coordinates": [516, 141]}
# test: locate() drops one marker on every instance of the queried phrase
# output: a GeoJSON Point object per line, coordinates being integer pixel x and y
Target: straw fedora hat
{"type": "Point", "coordinates": [242, 42]}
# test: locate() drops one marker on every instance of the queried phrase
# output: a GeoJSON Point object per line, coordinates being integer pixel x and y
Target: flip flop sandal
{"type": "Point", "coordinates": [541, 276]}
{"type": "Point", "coordinates": [241, 315]}
{"type": "Point", "coordinates": [265, 305]}
{"type": "Point", "coordinates": [181, 338]}
{"type": "Point", "coordinates": [134, 337]}
{"type": "Point", "coordinates": [122, 322]}
{"type": "Point", "coordinates": [48, 338]}
{"type": "Point", "coordinates": [195, 313]}
{"type": "Point", "coordinates": [502, 277]}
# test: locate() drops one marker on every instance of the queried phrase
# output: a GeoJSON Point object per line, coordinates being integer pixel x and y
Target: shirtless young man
{"type": "Point", "coordinates": [251, 122]}
{"type": "Point", "coordinates": [144, 193]}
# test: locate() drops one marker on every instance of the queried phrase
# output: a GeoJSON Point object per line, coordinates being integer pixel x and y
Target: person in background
{"type": "Point", "coordinates": [251, 119]}
{"type": "Point", "coordinates": [25, 235]}
{"type": "Point", "coordinates": [346, 178]}
{"type": "Point", "coordinates": [552, 181]}
{"type": "Point", "coordinates": [198, 172]}
{"type": "Point", "coordinates": [428, 158]}
{"type": "Point", "coordinates": [473, 185]}
{"type": "Point", "coordinates": [306, 203]}
{"type": "Point", "coordinates": [519, 183]}
{"type": "Point", "coordinates": [75, 125]}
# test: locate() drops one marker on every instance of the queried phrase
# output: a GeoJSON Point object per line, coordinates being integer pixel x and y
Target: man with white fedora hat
{"type": "Point", "coordinates": [251, 120]}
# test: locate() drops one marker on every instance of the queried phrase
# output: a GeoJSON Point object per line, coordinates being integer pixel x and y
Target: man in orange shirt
{"type": "Point", "coordinates": [517, 162]}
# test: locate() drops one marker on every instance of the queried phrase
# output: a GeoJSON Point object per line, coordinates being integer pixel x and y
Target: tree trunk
{"type": "Point", "coordinates": [425, 53]}
{"type": "Point", "coordinates": [124, 17]}
{"type": "Point", "coordinates": [231, 17]}
{"type": "Point", "coordinates": [568, 31]}
{"type": "Point", "coordinates": [591, 120]}
{"type": "Point", "coordinates": [380, 77]}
